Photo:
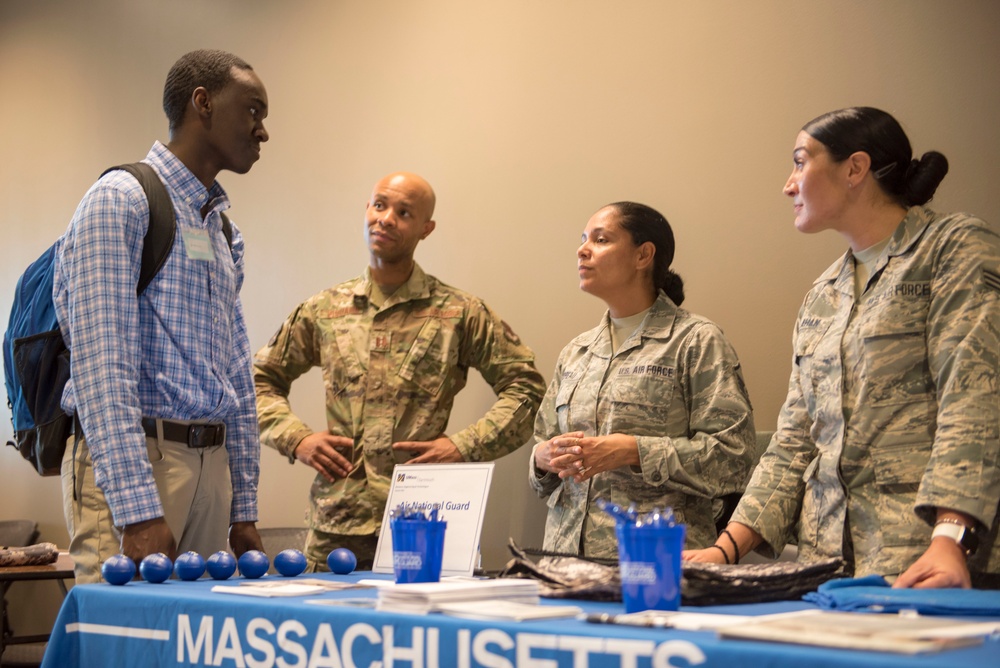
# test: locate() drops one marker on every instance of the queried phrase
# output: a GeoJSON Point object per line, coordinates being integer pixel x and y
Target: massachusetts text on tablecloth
{"type": "Point", "coordinates": [260, 643]}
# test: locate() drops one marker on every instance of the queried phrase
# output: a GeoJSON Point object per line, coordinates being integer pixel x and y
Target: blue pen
{"type": "Point", "coordinates": [612, 509]}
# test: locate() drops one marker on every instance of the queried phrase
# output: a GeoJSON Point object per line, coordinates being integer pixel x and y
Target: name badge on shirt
{"type": "Point", "coordinates": [197, 243]}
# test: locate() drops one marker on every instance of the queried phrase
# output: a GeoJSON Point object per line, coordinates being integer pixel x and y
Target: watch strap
{"type": "Point", "coordinates": [964, 535]}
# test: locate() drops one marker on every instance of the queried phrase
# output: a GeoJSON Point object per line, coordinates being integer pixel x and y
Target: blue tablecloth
{"type": "Point", "coordinates": [185, 623]}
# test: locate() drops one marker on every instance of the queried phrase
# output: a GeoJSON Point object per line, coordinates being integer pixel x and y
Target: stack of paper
{"type": "Point", "coordinates": [507, 610]}
{"type": "Point", "coordinates": [902, 633]}
{"type": "Point", "coordinates": [427, 597]}
{"type": "Point", "coordinates": [271, 590]}
{"type": "Point", "coordinates": [285, 587]}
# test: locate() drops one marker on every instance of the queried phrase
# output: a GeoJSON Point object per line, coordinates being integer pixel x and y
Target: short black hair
{"type": "Point", "coordinates": [209, 68]}
{"type": "Point", "coordinates": [875, 132]}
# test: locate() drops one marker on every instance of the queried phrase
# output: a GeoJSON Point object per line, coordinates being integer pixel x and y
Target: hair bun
{"type": "Point", "coordinates": [923, 177]}
{"type": "Point", "coordinates": [674, 287]}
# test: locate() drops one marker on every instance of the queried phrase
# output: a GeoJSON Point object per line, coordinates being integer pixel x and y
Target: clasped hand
{"type": "Point", "coordinates": [574, 455]}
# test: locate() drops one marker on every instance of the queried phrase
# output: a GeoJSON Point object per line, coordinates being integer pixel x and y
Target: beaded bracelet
{"type": "Point", "coordinates": [736, 549]}
{"type": "Point", "coordinates": [724, 555]}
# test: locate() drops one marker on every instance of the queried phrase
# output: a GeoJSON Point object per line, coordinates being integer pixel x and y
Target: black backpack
{"type": "Point", "coordinates": [36, 360]}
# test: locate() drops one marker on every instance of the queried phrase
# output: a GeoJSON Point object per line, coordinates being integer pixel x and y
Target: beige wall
{"type": "Point", "coordinates": [526, 117]}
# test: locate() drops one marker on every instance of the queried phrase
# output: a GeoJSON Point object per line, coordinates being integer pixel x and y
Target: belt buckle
{"type": "Point", "coordinates": [203, 435]}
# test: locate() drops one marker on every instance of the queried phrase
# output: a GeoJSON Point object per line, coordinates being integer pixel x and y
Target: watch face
{"type": "Point", "coordinates": [970, 540]}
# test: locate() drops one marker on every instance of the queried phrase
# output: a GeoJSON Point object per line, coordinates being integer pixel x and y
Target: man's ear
{"type": "Point", "coordinates": [201, 102]}
{"type": "Point", "coordinates": [428, 228]}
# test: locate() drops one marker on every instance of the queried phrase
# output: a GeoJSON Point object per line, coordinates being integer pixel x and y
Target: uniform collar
{"type": "Point", "coordinates": [658, 324]}
{"type": "Point", "coordinates": [417, 286]}
{"type": "Point", "coordinates": [910, 230]}
{"type": "Point", "coordinates": [907, 234]}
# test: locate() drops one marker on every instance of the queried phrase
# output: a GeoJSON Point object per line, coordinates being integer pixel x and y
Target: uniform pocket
{"type": "Point", "coordinates": [431, 364]}
{"type": "Point", "coordinates": [814, 503]}
{"type": "Point", "coordinates": [563, 397]}
{"type": "Point", "coordinates": [553, 499]}
{"type": "Point", "coordinates": [639, 404]}
{"type": "Point", "coordinates": [341, 359]}
{"type": "Point", "coordinates": [813, 370]}
{"type": "Point", "coordinates": [899, 463]}
{"type": "Point", "coordinates": [897, 370]}
{"type": "Point", "coordinates": [811, 469]}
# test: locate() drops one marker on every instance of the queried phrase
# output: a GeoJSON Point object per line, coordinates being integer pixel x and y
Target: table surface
{"type": "Point", "coordinates": [186, 623]}
{"type": "Point", "coordinates": [62, 569]}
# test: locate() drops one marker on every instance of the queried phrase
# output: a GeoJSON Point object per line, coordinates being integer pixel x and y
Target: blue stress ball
{"type": "Point", "coordinates": [342, 561]}
{"type": "Point", "coordinates": [253, 564]}
{"type": "Point", "coordinates": [156, 568]}
{"type": "Point", "coordinates": [118, 569]}
{"type": "Point", "coordinates": [189, 566]}
{"type": "Point", "coordinates": [221, 565]}
{"type": "Point", "coordinates": [290, 563]}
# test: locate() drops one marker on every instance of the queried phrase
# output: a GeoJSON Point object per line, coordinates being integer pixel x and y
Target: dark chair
{"type": "Point", "coordinates": [18, 533]}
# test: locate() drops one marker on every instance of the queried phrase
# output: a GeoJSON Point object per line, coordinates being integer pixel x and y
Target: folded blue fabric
{"type": "Point", "coordinates": [874, 594]}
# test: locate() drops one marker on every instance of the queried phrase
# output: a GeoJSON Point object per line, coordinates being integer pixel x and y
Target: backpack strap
{"type": "Point", "coordinates": [227, 229]}
{"type": "Point", "coordinates": [162, 227]}
{"type": "Point", "coordinates": [159, 237]}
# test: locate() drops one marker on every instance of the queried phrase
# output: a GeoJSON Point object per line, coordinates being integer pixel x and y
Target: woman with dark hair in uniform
{"type": "Point", "coordinates": [887, 452]}
{"type": "Point", "coordinates": [648, 407]}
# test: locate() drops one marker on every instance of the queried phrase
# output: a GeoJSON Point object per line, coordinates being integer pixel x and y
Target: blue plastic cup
{"type": "Point", "coordinates": [417, 549]}
{"type": "Point", "coordinates": [649, 558]}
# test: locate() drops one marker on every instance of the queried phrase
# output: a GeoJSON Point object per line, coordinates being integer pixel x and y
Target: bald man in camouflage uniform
{"type": "Point", "coordinates": [395, 346]}
{"type": "Point", "coordinates": [875, 439]}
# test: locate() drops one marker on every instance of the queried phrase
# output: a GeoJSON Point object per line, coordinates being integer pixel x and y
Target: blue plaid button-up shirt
{"type": "Point", "coordinates": [179, 351]}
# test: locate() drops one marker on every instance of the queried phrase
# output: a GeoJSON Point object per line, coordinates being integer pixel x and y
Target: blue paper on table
{"type": "Point", "coordinates": [874, 594]}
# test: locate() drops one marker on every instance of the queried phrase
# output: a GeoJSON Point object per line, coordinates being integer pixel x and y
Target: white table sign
{"type": "Point", "coordinates": [459, 491]}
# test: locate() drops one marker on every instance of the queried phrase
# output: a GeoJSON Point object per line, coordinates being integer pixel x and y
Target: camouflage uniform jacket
{"type": "Point", "coordinates": [676, 386]}
{"type": "Point", "coordinates": [863, 481]}
{"type": "Point", "coordinates": [391, 374]}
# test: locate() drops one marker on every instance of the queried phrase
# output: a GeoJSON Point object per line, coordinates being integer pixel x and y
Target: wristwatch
{"type": "Point", "coordinates": [966, 536]}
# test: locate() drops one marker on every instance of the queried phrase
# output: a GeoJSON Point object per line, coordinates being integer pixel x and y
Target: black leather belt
{"type": "Point", "coordinates": [195, 434]}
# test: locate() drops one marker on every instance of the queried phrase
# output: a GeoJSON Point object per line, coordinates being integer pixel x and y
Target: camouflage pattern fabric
{"type": "Point", "coordinates": [391, 374]}
{"type": "Point", "coordinates": [31, 555]}
{"type": "Point", "coordinates": [565, 576]}
{"type": "Point", "coordinates": [676, 386]}
{"type": "Point", "coordinates": [721, 584]}
{"type": "Point", "coordinates": [921, 430]}
{"type": "Point", "coordinates": [701, 584]}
